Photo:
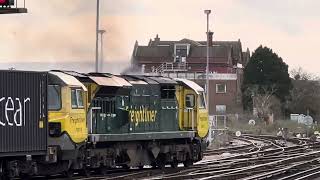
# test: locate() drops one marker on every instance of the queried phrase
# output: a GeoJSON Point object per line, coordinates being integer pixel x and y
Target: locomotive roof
{"type": "Point", "coordinates": [198, 89]}
{"type": "Point", "coordinates": [72, 73]}
{"type": "Point", "coordinates": [107, 79]}
{"type": "Point", "coordinates": [164, 80]}
{"type": "Point", "coordinates": [100, 74]}
{"type": "Point", "coordinates": [151, 79]}
{"type": "Point", "coordinates": [82, 77]}
{"type": "Point", "coordinates": [139, 78]}
{"type": "Point", "coordinates": [68, 79]}
{"type": "Point", "coordinates": [104, 79]}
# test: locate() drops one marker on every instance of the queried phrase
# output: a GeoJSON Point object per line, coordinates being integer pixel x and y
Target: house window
{"type": "Point", "coordinates": [181, 51]}
{"type": "Point", "coordinates": [76, 98]}
{"type": "Point", "coordinates": [221, 88]}
{"type": "Point", "coordinates": [220, 118]}
{"type": "Point", "coordinates": [220, 121]}
{"type": "Point", "coordinates": [221, 109]}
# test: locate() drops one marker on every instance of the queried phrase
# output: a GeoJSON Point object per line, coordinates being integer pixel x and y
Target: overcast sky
{"type": "Point", "coordinates": [57, 31]}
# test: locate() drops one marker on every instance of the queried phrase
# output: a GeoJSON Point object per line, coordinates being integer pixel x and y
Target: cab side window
{"type": "Point", "coordinates": [79, 93]}
{"type": "Point", "coordinates": [190, 100]}
{"type": "Point", "coordinates": [54, 97]}
{"type": "Point", "coordinates": [202, 103]}
{"type": "Point", "coordinates": [77, 98]}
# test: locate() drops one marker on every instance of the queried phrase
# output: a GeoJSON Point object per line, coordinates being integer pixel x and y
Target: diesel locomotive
{"type": "Point", "coordinates": [64, 121]}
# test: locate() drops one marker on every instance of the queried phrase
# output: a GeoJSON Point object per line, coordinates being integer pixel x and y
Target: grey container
{"type": "Point", "coordinates": [23, 113]}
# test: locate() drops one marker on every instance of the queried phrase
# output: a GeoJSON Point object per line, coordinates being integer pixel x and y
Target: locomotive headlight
{"type": "Point", "coordinates": [54, 129]}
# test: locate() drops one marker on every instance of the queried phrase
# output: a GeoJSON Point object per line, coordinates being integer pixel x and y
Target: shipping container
{"type": "Point", "coordinates": [23, 113]}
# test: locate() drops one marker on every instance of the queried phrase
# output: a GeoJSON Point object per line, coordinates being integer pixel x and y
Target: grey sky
{"type": "Point", "coordinates": [58, 31]}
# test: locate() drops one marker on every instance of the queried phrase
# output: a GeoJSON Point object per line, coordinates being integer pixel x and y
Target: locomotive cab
{"type": "Point", "coordinates": [193, 114]}
{"type": "Point", "coordinates": [67, 110]}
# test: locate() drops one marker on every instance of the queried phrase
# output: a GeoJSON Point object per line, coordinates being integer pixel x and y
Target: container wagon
{"type": "Point", "coordinates": [23, 119]}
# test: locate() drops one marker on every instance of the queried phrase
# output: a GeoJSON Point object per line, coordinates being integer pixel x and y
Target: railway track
{"type": "Point", "coordinates": [266, 162]}
{"type": "Point", "coordinates": [259, 157]}
{"type": "Point", "coordinates": [248, 146]}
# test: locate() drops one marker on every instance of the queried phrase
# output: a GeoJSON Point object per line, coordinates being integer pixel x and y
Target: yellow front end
{"type": "Point", "coordinates": [71, 114]}
{"type": "Point", "coordinates": [203, 117]}
{"type": "Point", "coordinates": [193, 114]}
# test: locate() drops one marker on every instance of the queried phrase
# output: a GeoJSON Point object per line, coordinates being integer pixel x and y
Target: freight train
{"type": "Point", "coordinates": [61, 122]}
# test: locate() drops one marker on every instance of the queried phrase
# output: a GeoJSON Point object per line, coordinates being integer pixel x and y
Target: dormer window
{"type": "Point", "coordinates": [181, 52]}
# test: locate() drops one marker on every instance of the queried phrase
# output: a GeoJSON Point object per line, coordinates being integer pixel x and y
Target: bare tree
{"type": "Point", "coordinates": [305, 98]}
{"type": "Point", "coordinates": [301, 74]}
{"type": "Point", "coordinates": [305, 94]}
{"type": "Point", "coordinates": [263, 99]}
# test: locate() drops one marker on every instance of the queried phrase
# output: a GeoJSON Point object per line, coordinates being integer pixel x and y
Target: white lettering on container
{"type": "Point", "coordinates": [14, 111]}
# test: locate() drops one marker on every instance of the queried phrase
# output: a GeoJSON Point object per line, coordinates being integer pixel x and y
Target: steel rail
{"type": "Point", "coordinates": [306, 174]}
{"type": "Point", "coordinates": [280, 171]}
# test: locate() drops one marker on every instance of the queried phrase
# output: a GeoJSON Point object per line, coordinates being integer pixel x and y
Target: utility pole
{"type": "Point", "coordinates": [101, 32]}
{"type": "Point", "coordinates": [207, 12]}
{"type": "Point", "coordinates": [97, 37]}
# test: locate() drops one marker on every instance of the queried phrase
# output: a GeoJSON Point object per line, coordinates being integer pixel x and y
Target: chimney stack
{"type": "Point", "coordinates": [157, 39]}
{"type": "Point", "coordinates": [210, 38]}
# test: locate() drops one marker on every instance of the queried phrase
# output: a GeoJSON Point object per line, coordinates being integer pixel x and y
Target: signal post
{"type": "Point", "coordinates": [12, 6]}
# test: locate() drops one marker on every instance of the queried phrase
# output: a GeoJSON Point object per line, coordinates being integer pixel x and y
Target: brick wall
{"type": "Point", "coordinates": [227, 98]}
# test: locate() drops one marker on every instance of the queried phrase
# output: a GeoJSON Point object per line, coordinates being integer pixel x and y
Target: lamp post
{"type": "Point", "coordinates": [101, 32]}
{"type": "Point", "coordinates": [207, 12]}
{"type": "Point", "coordinates": [97, 36]}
